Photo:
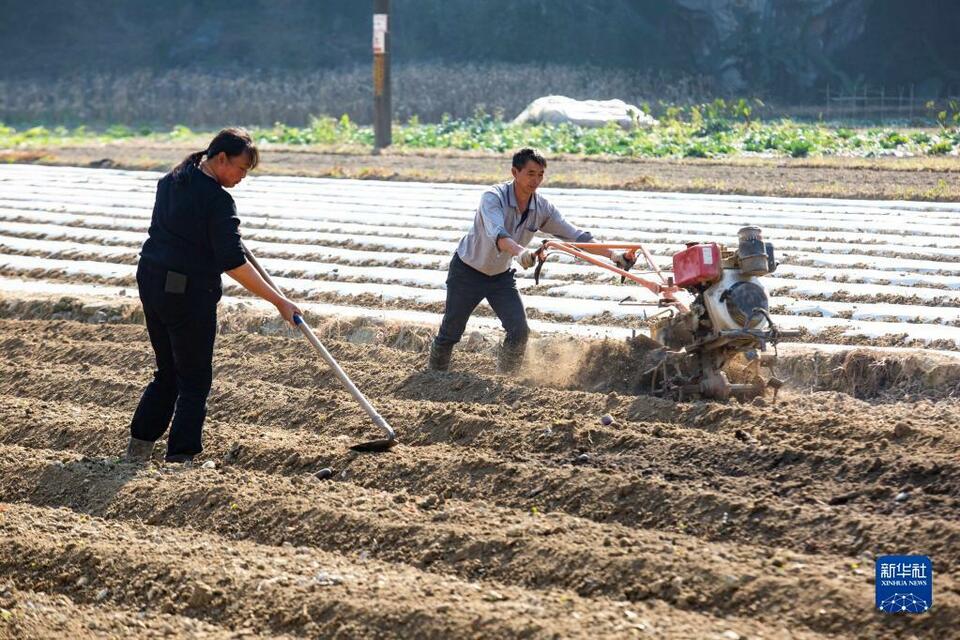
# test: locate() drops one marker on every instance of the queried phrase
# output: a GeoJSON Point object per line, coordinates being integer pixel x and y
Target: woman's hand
{"type": "Point", "coordinates": [253, 282]}
{"type": "Point", "coordinates": [287, 309]}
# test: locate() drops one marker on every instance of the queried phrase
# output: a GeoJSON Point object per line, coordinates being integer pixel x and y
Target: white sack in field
{"type": "Point", "coordinates": [586, 113]}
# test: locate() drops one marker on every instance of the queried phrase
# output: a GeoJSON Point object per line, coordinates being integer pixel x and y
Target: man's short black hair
{"type": "Point", "coordinates": [525, 155]}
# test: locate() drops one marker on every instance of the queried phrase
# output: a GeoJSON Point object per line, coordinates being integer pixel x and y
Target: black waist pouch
{"type": "Point", "coordinates": [176, 283]}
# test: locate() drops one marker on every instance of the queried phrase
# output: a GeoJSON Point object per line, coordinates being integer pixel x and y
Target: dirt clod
{"type": "Point", "coordinates": [902, 430]}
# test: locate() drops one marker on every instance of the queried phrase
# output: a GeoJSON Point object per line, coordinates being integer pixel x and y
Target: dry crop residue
{"type": "Point", "coordinates": [509, 509]}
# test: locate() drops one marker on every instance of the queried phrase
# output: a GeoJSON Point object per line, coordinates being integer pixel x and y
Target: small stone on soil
{"type": "Point", "coordinates": [328, 579]}
{"type": "Point", "coordinates": [902, 430]}
{"type": "Point", "coordinates": [324, 473]}
{"type": "Point", "coordinates": [201, 596]}
{"type": "Point", "coordinates": [607, 419]}
{"type": "Point", "coordinates": [209, 464]}
{"type": "Point", "coordinates": [430, 502]}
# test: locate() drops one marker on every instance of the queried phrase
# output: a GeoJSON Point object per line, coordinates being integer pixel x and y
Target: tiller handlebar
{"type": "Point", "coordinates": [665, 289]}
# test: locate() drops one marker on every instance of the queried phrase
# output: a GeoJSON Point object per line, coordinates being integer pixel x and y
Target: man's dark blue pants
{"type": "Point", "coordinates": [182, 328]}
{"type": "Point", "coordinates": [466, 288]}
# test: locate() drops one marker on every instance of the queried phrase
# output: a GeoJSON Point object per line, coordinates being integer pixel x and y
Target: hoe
{"type": "Point", "coordinates": [373, 445]}
{"type": "Point", "coordinates": [728, 316]}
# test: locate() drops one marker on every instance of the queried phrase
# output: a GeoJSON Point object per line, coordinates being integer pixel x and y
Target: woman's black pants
{"type": "Point", "coordinates": [182, 328]}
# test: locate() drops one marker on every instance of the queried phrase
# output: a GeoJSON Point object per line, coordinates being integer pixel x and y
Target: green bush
{"type": "Point", "coordinates": [714, 126]}
{"type": "Point", "coordinates": [120, 131]}
{"type": "Point", "coordinates": [892, 140]}
{"type": "Point", "coordinates": [180, 132]}
{"type": "Point", "coordinates": [941, 148]}
{"type": "Point", "coordinates": [798, 148]}
{"type": "Point", "coordinates": [696, 150]}
{"type": "Point", "coordinates": [36, 132]}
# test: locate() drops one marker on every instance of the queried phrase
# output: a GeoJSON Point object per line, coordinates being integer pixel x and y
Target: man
{"type": "Point", "coordinates": [508, 217]}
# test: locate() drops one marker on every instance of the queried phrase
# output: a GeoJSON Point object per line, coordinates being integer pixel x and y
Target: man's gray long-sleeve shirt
{"type": "Point", "coordinates": [497, 217]}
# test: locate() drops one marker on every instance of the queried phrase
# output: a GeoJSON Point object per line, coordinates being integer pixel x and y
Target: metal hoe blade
{"type": "Point", "coordinates": [375, 445]}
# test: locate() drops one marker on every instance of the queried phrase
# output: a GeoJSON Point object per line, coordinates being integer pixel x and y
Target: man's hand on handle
{"type": "Point", "coordinates": [620, 259]}
{"type": "Point", "coordinates": [528, 258]}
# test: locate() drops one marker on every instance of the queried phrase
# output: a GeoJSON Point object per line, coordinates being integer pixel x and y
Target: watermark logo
{"type": "Point", "coordinates": [904, 584]}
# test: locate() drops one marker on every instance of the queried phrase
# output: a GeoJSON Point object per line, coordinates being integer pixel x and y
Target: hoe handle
{"type": "Point", "coordinates": [329, 359]}
{"type": "Point", "coordinates": [344, 378]}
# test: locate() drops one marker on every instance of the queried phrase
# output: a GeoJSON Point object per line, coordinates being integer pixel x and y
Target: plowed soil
{"type": "Point", "coordinates": [508, 510]}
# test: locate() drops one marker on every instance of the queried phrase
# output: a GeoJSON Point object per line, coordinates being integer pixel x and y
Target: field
{"type": "Point", "coordinates": [509, 509]}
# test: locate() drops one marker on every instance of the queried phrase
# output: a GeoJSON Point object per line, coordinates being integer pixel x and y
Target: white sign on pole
{"type": "Point", "coordinates": [379, 33]}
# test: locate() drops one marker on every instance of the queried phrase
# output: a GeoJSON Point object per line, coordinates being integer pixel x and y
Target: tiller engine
{"type": "Point", "coordinates": [725, 328]}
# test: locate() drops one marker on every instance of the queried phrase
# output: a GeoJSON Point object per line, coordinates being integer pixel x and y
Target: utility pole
{"type": "Point", "coordinates": [381, 75]}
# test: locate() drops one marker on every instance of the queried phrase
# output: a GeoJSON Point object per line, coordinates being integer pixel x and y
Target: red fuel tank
{"type": "Point", "coordinates": [697, 264]}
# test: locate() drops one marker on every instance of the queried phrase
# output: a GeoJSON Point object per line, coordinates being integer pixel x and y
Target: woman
{"type": "Point", "coordinates": [193, 238]}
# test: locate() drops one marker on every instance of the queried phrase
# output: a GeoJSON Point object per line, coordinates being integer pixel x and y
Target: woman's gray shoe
{"type": "Point", "coordinates": [139, 450]}
{"type": "Point", "coordinates": [179, 458]}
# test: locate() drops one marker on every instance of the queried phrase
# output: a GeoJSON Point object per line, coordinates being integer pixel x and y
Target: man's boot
{"type": "Point", "coordinates": [440, 357]}
{"type": "Point", "coordinates": [509, 359]}
{"type": "Point", "coordinates": [179, 458]}
{"type": "Point", "coordinates": [139, 450]}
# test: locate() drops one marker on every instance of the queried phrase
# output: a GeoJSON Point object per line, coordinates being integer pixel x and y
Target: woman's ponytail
{"type": "Point", "coordinates": [191, 160]}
